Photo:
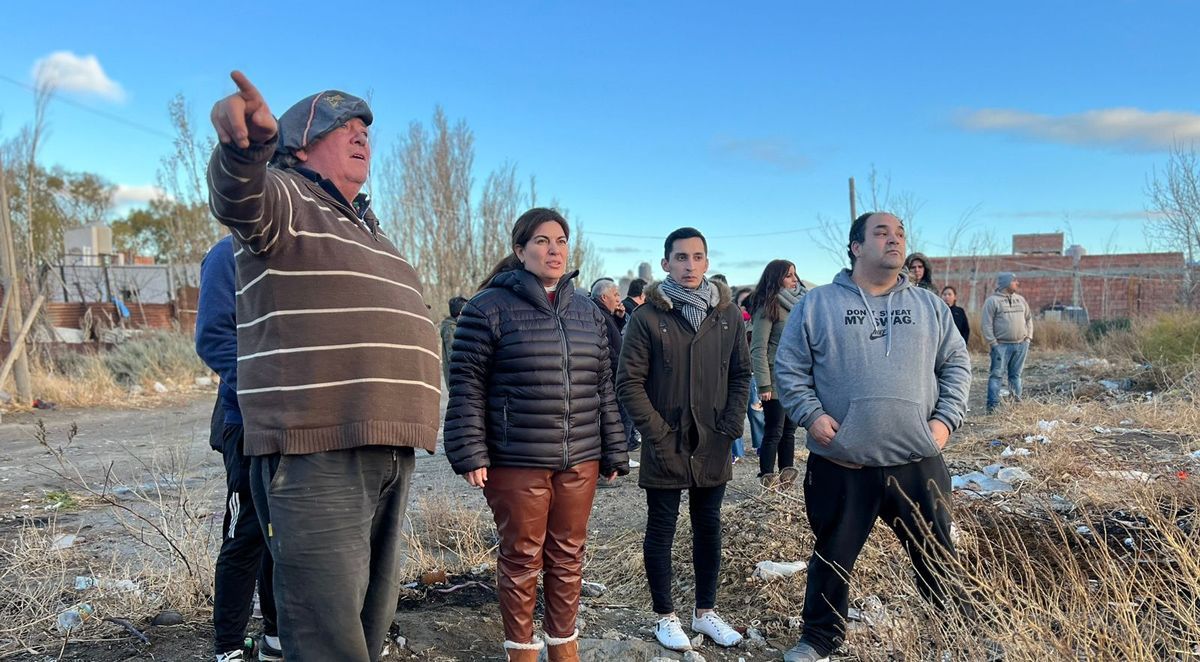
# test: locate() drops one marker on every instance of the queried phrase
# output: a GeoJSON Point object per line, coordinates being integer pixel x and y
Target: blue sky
{"type": "Point", "coordinates": [740, 119]}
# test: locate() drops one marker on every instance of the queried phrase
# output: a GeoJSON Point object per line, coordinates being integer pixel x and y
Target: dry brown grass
{"type": "Point", "coordinates": [1039, 588]}
{"type": "Point", "coordinates": [163, 538]}
{"type": "Point", "coordinates": [446, 536]}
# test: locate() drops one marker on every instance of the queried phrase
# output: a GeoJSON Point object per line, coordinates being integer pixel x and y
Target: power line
{"type": "Point", "coordinates": [95, 111]}
{"type": "Point", "coordinates": [593, 233]}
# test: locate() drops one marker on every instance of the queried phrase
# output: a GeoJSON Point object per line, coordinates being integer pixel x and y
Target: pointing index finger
{"type": "Point", "coordinates": [245, 87]}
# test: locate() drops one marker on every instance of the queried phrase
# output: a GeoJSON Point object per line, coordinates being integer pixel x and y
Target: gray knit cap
{"type": "Point", "coordinates": [1004, 280]}
{"type": "Point", "coordinates": [314, 116]}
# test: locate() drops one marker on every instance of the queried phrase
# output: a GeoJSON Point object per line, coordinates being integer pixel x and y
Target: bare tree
{"type": "Point", "coordinates": [1174, 202]}
{"type": "Point", "coordinates": [830, 236]}
{"type": "Point", "coordinates": [183, 201]}
{"type": "Point", "coordinates": [426, 198]}
{"type": "Point", "coordinates": [878, 196]}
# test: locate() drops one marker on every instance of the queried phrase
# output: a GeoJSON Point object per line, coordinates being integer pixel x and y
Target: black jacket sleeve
{"type": "Point", "coordinates": [465, 431]}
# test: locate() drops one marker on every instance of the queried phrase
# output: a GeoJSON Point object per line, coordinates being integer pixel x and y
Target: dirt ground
{"type": "Point", "coordinates": [459, 625]}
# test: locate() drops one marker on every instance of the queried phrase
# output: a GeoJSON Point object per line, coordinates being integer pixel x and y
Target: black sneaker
{"type": "Point", "coordinates": [267, 652]}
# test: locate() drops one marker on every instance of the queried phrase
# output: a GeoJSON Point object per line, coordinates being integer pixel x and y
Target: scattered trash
{"type": "Point", "coordinates": [1039, 438]}
{"type": "Point", "coordinates": [433, 577]}
{"type": "Point", "coordinates": [1013, 475]}
{"type": "Point", "coordinates": [993, 469]}
{"type": "Point", "coordinates": [995, 443]}
{"type": "Point", "coordinates": [1138, 476]}
{"type": "Point", "coordinates": [72, 618]}
{"type": "Point", "coordinates": [136, 390]}
{"type": "Point", "coordinates": [1110, 384]}
{"type": "Point", "coordinates": [1100, 429]}
{"type": "Point", "coordinates": [1128, 421]}
{"type": "Point", "coordinates": [980, 483]}
{"type": "Point", "coordinates": [1009, 452]}
{"type": "Point", "coordinates": [84, 583]}
{"type": "Point", "coordinates": [167, 617]}
{"type": "Point", "coordinates": [771, 570]}
{"type": "Point", "coordinates": [159, 387]}
{"type": "Point", "coordinates": [1061, 504]}
{"type": "Point", "coordinates": [43, 404]}
{"type": "Point", "coordinates": [1093, 363]}
{"type": "Point", "coordinates": [129, 628]}
{"type": "Point", "coordinates": [1048, 426]}
{"type": "Point", "coordinates": [1195, 455]}
{"type": "Point", "coordinates": [1129, 542]}
{"type": "Point", "coordinates": [1083, 530]}
{"type": "Point", "coordinates": [204, 381]}
{"type": "Point", "coordinates": [593, 589]}
{"type": "Point", "coordinates": [63, 541]}
{"type": "Point", "coordinates": [401, 642]}
{"type": "Point", "coordinates": [872, 612]}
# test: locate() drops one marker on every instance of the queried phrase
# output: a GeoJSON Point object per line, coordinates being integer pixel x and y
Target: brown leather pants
{"type": "Point", "coordinates": [542, 516]}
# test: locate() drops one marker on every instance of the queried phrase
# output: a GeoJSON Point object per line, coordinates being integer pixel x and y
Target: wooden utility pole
{"type": "Point", "coordinates": [853, 212]}
{"type": "Point", "coordinates": [16, 322]}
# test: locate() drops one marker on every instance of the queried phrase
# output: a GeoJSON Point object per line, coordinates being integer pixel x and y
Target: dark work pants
{"type": "Point", "coordinates": [842, 505]}
{"type": "Point", "coordinates": [334, 524]}
{"type": "Point", "coordinates": [779, 439]}
{"type": "Point", "coordinates": [704, 507]}
{"type": "Point", "coordinates": [243, 558]}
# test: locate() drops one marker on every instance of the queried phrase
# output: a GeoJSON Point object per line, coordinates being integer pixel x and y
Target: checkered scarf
{"type": "Point", "coordinates": [694, 304]}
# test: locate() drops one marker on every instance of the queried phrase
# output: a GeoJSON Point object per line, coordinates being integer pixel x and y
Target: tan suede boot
{"type": "Point", "coordinates": [769, 481]}
{"type": "Point", "coordinates": [523, 652]}
{"type": "Point", "coordinates": [565, 649]}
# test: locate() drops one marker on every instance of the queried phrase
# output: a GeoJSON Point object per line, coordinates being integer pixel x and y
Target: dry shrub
{"type": "Point", "coordinates": [1058, 334]}
{"type": "Point", "coordinates": [1037, 586]}
{"type": "Point", "coordinates": [166, 543]}
{"type": "Point", "coordinates": [1171, 343]}
{"type": "Point", "coordinates": [447, 535]}
{"type": "Point", "coordinates": [104, 378]}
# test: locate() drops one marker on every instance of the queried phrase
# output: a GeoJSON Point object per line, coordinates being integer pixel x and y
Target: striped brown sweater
{"type": "Point", "coordinates": [335, 349]}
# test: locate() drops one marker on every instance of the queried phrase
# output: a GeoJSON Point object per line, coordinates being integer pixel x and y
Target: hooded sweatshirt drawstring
{"type": "Point", "coordinates": [871, 313]}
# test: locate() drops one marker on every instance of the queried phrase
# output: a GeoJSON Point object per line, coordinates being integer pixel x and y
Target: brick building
{"type": "Point", "coordinates": [1108, 286]}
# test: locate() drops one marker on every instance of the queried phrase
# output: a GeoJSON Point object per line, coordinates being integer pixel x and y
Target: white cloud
{"type": "Point", "coordinates": [133, 196]}
{"type": "Point", "coordinates": [66, 71]}
{"type": "Point", "coordinates": [1127, 128]}
{"type": "Point", "coordinates": [776, 152]}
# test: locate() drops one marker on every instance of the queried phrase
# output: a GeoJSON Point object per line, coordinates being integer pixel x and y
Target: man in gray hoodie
{"type": "Point", "coordinates": [876, 372]}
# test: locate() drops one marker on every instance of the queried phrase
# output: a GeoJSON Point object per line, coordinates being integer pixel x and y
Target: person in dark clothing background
{"type": "Point", "coordinates": [950, 296]}
{"type": "Point", "coordinates": [607, 296]}
{"type": "Point", "coordinates": [446, 330]}
{"type": "Point", "coordinates": [919, 272]}
{"type": "Point", "coordinates": [532, 419]}
{"type": "Point", "coordinates": [634, 296]}
{"type": "Point", "coordinates": [244, 558]}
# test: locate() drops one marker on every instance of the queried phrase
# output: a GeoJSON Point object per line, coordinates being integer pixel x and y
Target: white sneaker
{"type": "Point", "coordinates": [232, 656]}
{"type": "Point", "coordinates": [715, 628]}
{"type": "Point", "coordinates": [669, 632]}
{"type": "Point", "coordinates": [634, 464]}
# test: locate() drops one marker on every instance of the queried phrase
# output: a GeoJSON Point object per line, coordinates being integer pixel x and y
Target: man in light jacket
{"type": "Point", "coordinates": [1007, 328]}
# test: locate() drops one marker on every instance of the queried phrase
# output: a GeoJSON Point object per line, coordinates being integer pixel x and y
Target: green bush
{"type": "Point", "coordinates": [1170, 342]}
{"type": "Point", "coordinates": [1100, 328]}
{"type": "Point", "coordinates": [154, 356]}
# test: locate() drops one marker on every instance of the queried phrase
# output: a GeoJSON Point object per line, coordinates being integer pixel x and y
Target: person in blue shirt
{"type": "Point", "coordinates": [244, 557]}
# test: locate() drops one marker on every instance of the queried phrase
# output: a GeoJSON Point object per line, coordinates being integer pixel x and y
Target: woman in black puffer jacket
{"type": "Point", "coordinates": [532, 419]}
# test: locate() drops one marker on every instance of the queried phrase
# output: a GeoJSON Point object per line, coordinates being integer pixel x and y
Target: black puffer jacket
{"type": "Point", "coordinates": [531, 382]}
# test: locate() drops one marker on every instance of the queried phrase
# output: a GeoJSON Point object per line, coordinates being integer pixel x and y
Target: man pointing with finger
{"type": "Point", "coordinates": [875, 370]}
{"type": "Point", "coordinates": [338, 368]}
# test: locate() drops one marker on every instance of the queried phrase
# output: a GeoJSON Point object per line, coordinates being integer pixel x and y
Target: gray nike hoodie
{"type": "Point", "coordinates": [881, 366]}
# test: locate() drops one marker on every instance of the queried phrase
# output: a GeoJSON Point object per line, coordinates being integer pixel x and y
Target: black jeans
{"type": "Point", "coordinates": [334, 522]}
{"type": "Point", "coordinates": [779, 438]}
{"type": "Point", "coordinates": [704, 507]}
{"type": "Point", "coordinates": [842, 505]}
{"type": "Point", "coordinates": [244, 558]}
